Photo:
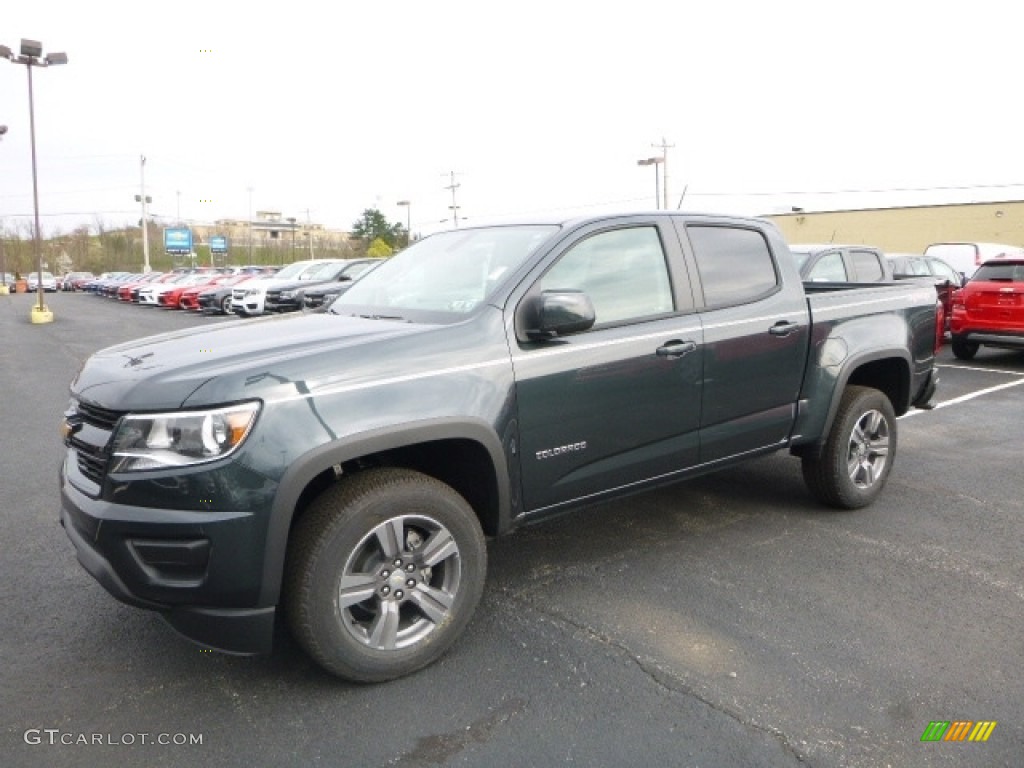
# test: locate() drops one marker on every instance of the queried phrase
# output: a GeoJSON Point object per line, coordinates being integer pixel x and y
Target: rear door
{"type": "Point", "coordinates": [756, 327]}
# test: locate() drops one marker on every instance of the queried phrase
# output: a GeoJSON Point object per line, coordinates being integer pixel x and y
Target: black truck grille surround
{"type": "Point", "coordinates": [92, 458]}
{"type": "Point", "coordinates": [99, 417]}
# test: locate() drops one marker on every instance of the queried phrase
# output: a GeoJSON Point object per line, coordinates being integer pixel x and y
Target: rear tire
{"type": "Point", "coordinates": [962, 349]}
{"type": "Point", "coordinates": [384, 572]}
{"type": "Point", "coordinates": [858, 454]}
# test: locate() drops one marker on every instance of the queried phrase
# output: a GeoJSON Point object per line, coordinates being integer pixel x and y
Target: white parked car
{"type": "Point", "coordinates": [967, 257]}
{"type": "Point", "coordinates": [49, 282]}
{"type": "Point", "coordinates": [249, 297]}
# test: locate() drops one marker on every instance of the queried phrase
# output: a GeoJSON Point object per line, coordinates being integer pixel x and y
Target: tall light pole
{"type": "Point", "coordinates": [407, 204]}
{"type": "Point", "coordinates": [655, 161]}
{"type": "Point", "coordinates": [3, 263]}
{"type": "Point", "coordinates": [145, 200]}
{"type": "Point", "coordinates": [32, 56]}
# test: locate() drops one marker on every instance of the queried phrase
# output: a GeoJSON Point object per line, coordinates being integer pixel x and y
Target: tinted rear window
{"type": "Point", "coordinates": [735, 265]}
{"type": "Point", "coordinates": [1012, 272]}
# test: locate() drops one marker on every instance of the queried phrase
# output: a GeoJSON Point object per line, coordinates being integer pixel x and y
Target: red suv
{"type": "Point", "coordinates": [989, 309]}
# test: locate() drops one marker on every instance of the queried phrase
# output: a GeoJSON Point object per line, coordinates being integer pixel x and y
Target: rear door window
{"type": "Point", "coordinates": [867, 266]}
{"type": "Point", "coordinates": [735, 265]}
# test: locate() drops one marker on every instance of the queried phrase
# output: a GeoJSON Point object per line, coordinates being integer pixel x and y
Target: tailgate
{"type": "Point", "coordinates": [999, 304]}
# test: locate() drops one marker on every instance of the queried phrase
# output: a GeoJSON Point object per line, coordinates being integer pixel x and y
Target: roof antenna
{"type": "Point", "coordinates": [685, 187]}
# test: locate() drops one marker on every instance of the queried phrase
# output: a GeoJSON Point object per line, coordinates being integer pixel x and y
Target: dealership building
{"type": "Point", "coordinates": [909, 229]}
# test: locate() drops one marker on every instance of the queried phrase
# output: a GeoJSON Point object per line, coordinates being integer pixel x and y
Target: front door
{"type": "Point", "coordinates": [618, 404]}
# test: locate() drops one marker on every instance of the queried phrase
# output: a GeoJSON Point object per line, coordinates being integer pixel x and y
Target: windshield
{"type": "Point", "coordinates": [448, 272]}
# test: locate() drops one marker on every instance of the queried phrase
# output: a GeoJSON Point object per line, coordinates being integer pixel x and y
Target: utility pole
{"type": "Point", "coordinates": [453, 186]}
{"type": "Point", "coordinates": [145, 223]}
{"type": "Point", "coordinates": [664, 147]}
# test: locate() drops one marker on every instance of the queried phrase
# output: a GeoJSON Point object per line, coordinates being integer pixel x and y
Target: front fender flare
{"type": "Point", "coordinates": [302, 471]}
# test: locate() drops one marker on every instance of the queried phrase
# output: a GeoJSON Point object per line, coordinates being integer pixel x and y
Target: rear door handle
{"type": "Point", "coordinates": [676, 348]}
{"type": "Point", "coordinates": [783, 328]}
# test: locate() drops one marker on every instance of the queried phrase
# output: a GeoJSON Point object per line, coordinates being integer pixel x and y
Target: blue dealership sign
{"type": "Point", "coordinates": [178, 240]}
{"type": "Point", "coordinates": [218, 244]}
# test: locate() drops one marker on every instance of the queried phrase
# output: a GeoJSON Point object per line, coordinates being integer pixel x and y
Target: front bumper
{"type": "Point", "coordinates": [187, 565]}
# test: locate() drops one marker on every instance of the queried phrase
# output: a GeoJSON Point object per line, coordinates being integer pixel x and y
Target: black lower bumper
{"type": "Point", "coordinates": [237, 630]}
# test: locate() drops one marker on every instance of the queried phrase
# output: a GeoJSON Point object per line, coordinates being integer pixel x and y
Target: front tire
{"type": "Point", "coordinates": [858, 455]}
{"type": "Point", "coordinates": [963, 350]}
{"type": "Point", "coordinates": [225, 306]}
{"type": "Point", "coordinates": [384, 572]}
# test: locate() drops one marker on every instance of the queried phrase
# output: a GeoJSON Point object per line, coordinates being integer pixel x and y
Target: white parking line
{"type": "Point", "coordinates": [983, 370]}
{"type": "Point", "coordinates": [968, 396]}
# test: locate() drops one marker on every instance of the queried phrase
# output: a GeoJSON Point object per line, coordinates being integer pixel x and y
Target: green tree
{"type": "Point", "coordinates": [374, 226]}
{"type": "Point", "coordinates": [379, 249]}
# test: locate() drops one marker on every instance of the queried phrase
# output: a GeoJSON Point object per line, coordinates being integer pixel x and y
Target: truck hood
{"type": "Point", "coordinates": [233, 361]}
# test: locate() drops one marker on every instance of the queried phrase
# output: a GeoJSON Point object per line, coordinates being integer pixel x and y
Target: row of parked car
{"type": "Point", "coordinates": [244, 291]}
{"type": "Point", "coordinates": [980, 285]}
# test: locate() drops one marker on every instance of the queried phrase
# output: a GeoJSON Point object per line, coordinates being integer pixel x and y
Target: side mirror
{"type": "Point", "coordinates": [558, 313]}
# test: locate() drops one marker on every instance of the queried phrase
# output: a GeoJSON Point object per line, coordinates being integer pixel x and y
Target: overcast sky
{"type": "Point", "coordinates": [537, 107]}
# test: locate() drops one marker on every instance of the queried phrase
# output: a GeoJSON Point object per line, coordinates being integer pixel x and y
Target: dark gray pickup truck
{"type": "Point", "coordinates": [347, 465]}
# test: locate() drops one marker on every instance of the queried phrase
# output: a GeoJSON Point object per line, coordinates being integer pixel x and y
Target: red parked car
{"type": "Point", "coordinates": [989, 309]}
{"type": "Point", "coordinates": [190, 296]}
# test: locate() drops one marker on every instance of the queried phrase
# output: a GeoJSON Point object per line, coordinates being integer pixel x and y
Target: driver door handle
{"type": "Point", "coordinates": [676, 348]}
{"type": "Point", "coordinates": [783, 328]}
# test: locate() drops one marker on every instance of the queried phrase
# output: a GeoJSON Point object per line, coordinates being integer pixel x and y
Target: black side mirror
{"type": "Point", "coordinates": [558, 313]}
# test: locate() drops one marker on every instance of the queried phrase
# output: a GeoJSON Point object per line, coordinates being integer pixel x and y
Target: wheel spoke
{"type": "Point", "coordinates": [873, 420]}
{"type": "Point", "coordinates": [391, 536]}
{"type": "Point", "coordinates": [439, 546]}
{"type": "Point", "coordinates": [434, 603]}
{"type": "Point", "coordinates": [355, 588]}
{"type": "Point", "coordinates": [880, 447]}
{"type": "Point", "coordinates": [384, 630]}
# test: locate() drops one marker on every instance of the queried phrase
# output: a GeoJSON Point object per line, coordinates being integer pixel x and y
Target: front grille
{"type": "Point", "coordinates": [90, 444]}
{"type": "Point", "coordinates": [99, 417]}
{"type": "Point", "coordinates": [90, 464]}
{"type": "Point", "coordinates": [273, 296]}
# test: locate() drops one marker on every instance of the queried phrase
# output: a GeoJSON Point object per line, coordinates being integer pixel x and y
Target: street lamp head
{"type": "Point", "coordinates": [650, 161]}
{"type": "Point", "coordinates": [6, 53]}
{"type": "Point", "coordinates": [56, 58]}
{"type": "Point", "coordinates": [402, 202]}
{"type": "Point", "coordinates": [31, 48]}
{"type": "Point", "coordinates": [3, 130]}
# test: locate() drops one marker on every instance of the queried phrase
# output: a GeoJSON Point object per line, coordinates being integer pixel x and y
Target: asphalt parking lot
{"type": "Point", "coordinates": [729, 621]}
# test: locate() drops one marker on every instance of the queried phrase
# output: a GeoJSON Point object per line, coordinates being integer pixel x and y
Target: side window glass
{"type": "Point", "coordinates": [942, 269]}
{"type": "Point", "coordinates": [623, 272]}
{"type": "Point", "coordinates": [830, 268]}
{"type": "Point", "coordinates": [918, 267]}
{"type": "Point", "coordinates": [867, 266]}
{"type": "Point", "coordinates": [735, 265]}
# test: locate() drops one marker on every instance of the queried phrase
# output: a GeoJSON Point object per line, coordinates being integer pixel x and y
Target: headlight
{"type": "Point", "coordinates": [159, 440]}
